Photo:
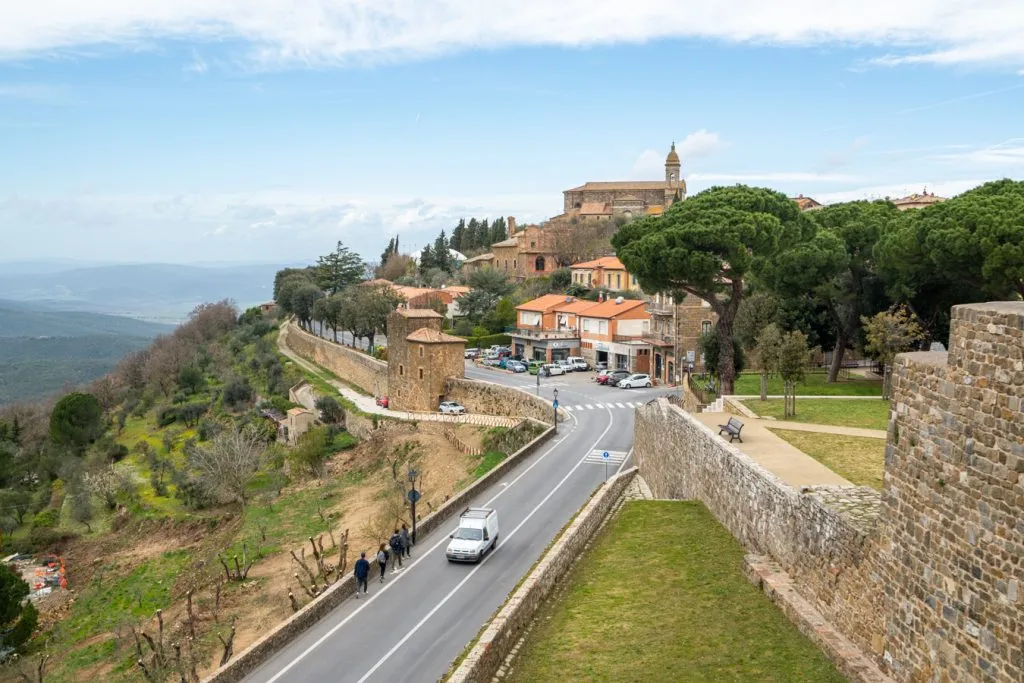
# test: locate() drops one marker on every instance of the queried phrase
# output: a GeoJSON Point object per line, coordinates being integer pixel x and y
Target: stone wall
{"type": "Point", "coordinates": [822, 537]}
{"type": "Point", "coordinates": [954, 500]}
{"type": "Point", "coordinates": [369, 374]}
{"type": "Point", "coordinates": [504, 630]}
{"type": "Point", "coordinates": [495, 399]}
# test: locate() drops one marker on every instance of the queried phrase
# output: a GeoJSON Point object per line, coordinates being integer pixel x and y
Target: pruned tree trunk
{"type": "Point", "coordinates": [764, 385]}
{"type": "Point", "coordinates": [228, 644]}
{"type": "Point", "coordinates": [838, 353]}
{"type": "Point", "coordinates": [886, 381]}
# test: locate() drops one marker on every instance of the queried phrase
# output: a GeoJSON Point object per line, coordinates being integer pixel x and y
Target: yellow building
{"type": "Point", "coordinates": [606, 272]}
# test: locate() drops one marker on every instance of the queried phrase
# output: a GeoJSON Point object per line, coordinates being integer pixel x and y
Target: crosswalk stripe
{"type": "Point", "coordinates": [589, 407]}
{"type": "Point", "coordinates": [620, 405]}
{"type": "Point", "coordinates": [567, 407]}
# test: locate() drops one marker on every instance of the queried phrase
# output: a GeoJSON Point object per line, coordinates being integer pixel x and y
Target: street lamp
{"type": "Point", "coordinates": [554, 393]}
{"type": "Point", "coordinates": [413, 496]}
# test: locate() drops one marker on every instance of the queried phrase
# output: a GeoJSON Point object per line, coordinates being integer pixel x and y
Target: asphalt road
{"type": "Point", "coordinates": [411, 627]}
{"type": "Point", "coordinates": [346, 338]}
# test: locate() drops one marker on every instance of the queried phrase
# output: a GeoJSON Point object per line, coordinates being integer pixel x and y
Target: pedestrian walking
{"type": "Point", "coordinates": [382, 560]}
{"type": "Point", "coordinates": [362, 572]}
{"type": "Point", "coordinates": [406, 541]}
{"type": "Point", "coordinates": [396, 550]}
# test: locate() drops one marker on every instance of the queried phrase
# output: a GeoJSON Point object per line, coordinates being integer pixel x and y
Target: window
{"type": "Point", "coordinates": [506, 264]}
{"type": "Point", "coordinates": [401, 370]}
{"type": "Point", "coordinates": [633, 279]}
{"type": "Point", "coordinates": [602, 327]}
{"type": "Point", "coordinates": [538, 264]}
{"type": "Point", "coordinates": [609, 280]}
{"type": "Point", "coordinates": [421, 350]}
{"type": "Point", "coordinates": [618, 281]}
{"type": "Point", "coordinates": [421, 373]}
{"type": "Point", "coordinates": [514, 264]}
{"type": "Point", "coordinates": [532, 245]}
{"type": "Point", "coordinates": [705, 327]}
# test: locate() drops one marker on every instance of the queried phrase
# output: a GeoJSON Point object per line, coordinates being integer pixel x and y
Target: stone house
{"type": "Point", "coordinates": [421, 358]}
{"type": "Point", "coordinates": [297, 422]}
{"type": "Point", "coordinates": [676, 329]}
{"type": "Point", "coordinates": [615, 332]}
{"type": "Point", "coordinates": [917, 201]}
{"type": "Point", "coordinates": [607, 272]}
{"type": "Point", "coordinates": [806, 203]}
{"type": "Point", "coordinates": [477, 263]}
{"type": "Point", "coordinates": [528, 253]}
{"type": "Point", "coordinates": [595, 200]}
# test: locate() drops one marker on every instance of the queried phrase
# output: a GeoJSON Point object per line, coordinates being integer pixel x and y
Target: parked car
{"type": "Point", "coordinates": [635, 381]}
{"type": "Point", "coordinates": [515, 366]}
{"type": "Point", "coordinates": [565, 365]}
{"type": "Point", "coordinates": [578, 363]}
{"type": "Point", "coordinates": [452, 408]}
{"type": "Point", "coordinates": [535, 366]}
{"type": "Point", "coordinates": [472, 353]}
{"type": "Point", "coordinates": [601, 365]}
{"type": "Point", "coordinates": [554, 369]}
{"type": "Point", "coordinates": [382, 401]}
{"type": "Point", "coordinates": [614, 377]}
{"type": "Point", "coordinates": [601, 374]}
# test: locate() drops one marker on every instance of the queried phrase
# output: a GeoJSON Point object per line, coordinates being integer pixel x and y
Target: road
{"type": "Point", "coordinates": [414, 625]}
{"type": "Point", "coordinates": [346, 337]}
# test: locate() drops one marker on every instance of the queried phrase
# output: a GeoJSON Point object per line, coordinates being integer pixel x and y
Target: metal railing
{"type": "Point", "coordinates": [627, 337]}
{"type": "Point", "coordinates": [536, 333]}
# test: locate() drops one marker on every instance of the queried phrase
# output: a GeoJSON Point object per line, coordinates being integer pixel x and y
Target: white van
{"type": "Point", "coordinates": [578, 363]}
{"type": "Point", "coordinates": [477, 533]}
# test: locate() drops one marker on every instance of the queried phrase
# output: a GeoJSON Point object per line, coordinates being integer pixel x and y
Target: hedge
{"type": "Point", "coordinates": [488, 341]}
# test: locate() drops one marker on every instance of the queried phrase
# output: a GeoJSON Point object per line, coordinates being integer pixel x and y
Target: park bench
{"type": "Point", "coordinates": [733, 428]}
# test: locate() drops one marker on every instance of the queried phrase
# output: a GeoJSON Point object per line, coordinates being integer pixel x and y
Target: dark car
{"type": "Point", "coordinates": [614, 377]}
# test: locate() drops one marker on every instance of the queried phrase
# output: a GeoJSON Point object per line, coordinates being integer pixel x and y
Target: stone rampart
{"type": "Point", "coordinates": [505, 628]}
{"type": "Point", "coordinates": [821, 536]}
{"type": "Point", "coordinates": [369, 374]}
{"type": "Point", "coordinates": [495, 399]}
{"type": "Point", "coordinates": [954, 503]}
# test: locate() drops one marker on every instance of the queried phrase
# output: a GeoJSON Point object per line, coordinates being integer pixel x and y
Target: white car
{"type": "Point", "coordinates": [452, 408]}
{"type": "Point", "coordinates": [634, 381]}
{"type": "Point", "coordinates": [566, 365]}
{"type": "Point", "coordinates": [477, 533]}
{"type": "Point", "coordinates": [554, 369]}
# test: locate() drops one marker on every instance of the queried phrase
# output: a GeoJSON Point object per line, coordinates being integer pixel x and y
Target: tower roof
{"type": "Point", "coordinates": [673, 158]}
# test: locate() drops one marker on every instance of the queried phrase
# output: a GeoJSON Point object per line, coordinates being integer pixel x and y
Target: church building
{"type": "Point", "coordinates": [630, 197]}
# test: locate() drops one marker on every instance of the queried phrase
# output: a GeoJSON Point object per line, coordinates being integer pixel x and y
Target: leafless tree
{"type": "Point", "coordinates": [229, 462]}
{"type": "Point", "coordinates": [581, 241]}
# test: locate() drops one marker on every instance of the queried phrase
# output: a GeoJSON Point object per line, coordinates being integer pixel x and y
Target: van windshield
{"type": "Point", "coordinates": [469, 534]}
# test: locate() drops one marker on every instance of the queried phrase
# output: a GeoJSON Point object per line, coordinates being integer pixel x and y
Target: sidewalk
{"type": "Point", "coordinates": [776, 455]}
{"type": "Point", "coordinates": [368, 404]}
{"type": "Point", "coordinates": [824, 429]}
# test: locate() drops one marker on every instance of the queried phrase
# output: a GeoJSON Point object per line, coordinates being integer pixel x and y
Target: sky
{"type": "Point", "coordinates": [201, 131]}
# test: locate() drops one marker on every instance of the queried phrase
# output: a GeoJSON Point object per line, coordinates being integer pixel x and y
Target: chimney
{"type": "Point", "coordinates": [511, 223]}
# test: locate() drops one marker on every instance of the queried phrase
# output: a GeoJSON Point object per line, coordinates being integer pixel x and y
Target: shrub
{"type": "Point", "coordinates": [167, 415]}
{"type": "Point", "coordinates": [47, 519]}
{"type": "Point", "coordinates": [330, 410]}
{"type": "Point", "coordinates": [237, 392]}
{"type": "Point", "coordinates": [117, 452]}
{"type": "Point", "coordinates": [310, 453]}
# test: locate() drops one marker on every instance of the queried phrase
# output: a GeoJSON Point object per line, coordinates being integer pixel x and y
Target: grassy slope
{"type": "Point", "coordinates": [815, 384]}
{"type": "Point", "coordinates": [661, 597]}
{"type": "Point", "coordinates": [859, 459]}
{"type": "Point", "coordinates": [866, 414]}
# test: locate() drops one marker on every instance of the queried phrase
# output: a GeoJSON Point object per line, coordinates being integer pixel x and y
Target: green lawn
{"type": "Point", "coordinates": [815, 384]}
{"type": "Point", "coordinates": [860, 459]}
{"type": "Point", "coordinates": [826, 411]}
{"type": "Point", "coordinates": [661, 597]}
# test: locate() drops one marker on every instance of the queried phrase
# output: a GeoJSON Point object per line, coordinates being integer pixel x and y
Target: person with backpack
{"type": "Point", "coordinates": [406, 541]}
{"type": "Point", "coordinates": [362, 572]}
{"type": "Point", "coordinates": [396, 550]}
{"type": "Point", "coordinates": [382, 561]}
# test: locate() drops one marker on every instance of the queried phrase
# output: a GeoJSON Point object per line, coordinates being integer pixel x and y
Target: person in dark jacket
{"type": "Point", "coordinates": [362, 572]}
{"type": "Point", "coordinates": [396, 550]}
{"type": "Point", "coordinates": [382, 561]}
{"type": "Point", "coordinates": [406, 541]}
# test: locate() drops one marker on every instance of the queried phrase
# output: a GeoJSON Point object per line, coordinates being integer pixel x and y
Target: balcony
{"type": "Point", "coordinates": [655, 308]}
{"type": "Point", "coordinates": [627, 338]}
{"type": "Point", "coordinates": [537, 333]}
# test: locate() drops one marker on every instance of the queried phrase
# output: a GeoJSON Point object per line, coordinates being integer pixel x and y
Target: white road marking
{"type": "Point", "coordinates": [568, 407]}
{"type": "Point", "coordinates": [589, 407]}
{"type": "Point", "coordinates": [620, 405]}
{"type": "Point", "coordinates": [302, 655]}
{"type": "Point", "coordinates": [624, 461]}
{"type": "Point", "coordinates": [477, 568]}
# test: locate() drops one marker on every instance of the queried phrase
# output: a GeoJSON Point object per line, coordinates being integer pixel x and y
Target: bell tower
{"type": "Point", "coordinates": [672, 167]}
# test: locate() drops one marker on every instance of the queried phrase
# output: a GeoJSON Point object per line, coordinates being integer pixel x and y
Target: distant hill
{"type": "Point", "coordinates": [42, 351]}
{"type": "Point", "coordinates": [159, 291]}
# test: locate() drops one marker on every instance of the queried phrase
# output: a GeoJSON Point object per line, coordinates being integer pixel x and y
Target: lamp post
{"type": "Point", "coordinates": [554, 392]}
{"type": "Point", "coordinates": [413, 496]}
{"type": "Point", "coordinates": [538, 381]}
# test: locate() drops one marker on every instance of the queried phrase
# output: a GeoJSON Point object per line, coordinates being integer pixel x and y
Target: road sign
{"type": "Point", "coordinates": [606, 455]}
{"type": "Point", "coordinates": [600, 456]}
{"type": "Point", "coordinates": [414, 496]}
{"type": "Point", "coordinates": [555, 403]}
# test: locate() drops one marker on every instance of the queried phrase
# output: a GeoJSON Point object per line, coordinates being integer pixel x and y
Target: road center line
{"type": "Point", "coordinates": [460, 584]}
{"type": "Point", "coordinates": [422, 557]}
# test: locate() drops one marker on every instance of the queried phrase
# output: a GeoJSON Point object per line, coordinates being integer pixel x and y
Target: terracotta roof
{"type": "Point", "coordinates": [610, 309]}
{"type": "Point", "coordinates": [916, 198]}
{"type": "Point", "coordinates": [411, 292]}
{"type": "Point", "coordinates": [625, 185]}
{"type": "Point", "coordinates": [458, 290]}
{"type": "Point", "coordinates": [429, 336]}
{"type": "Point", "coordinates": [510, 242]}
{"type": "Point", "coordinates": [806, 203]}
{"type": "Point", "coordinates": [543, 303]}
{"type": "Point", "coordinates": [298, 411]}
{"type": "Point", "coordinates": [418, 313]}
{"type": "Point", "coordinates": [606, 262]}
{"type": "Point", "coordinates": [595, 209]}
{"type": "Point", "coordinates": [673, 156]}
{"type": "Point", "coordinates": [482, 257]}
{"type": "Point", "coordinates": [577, 306]}
{"type": "Point", "coordinates": [655, 210]}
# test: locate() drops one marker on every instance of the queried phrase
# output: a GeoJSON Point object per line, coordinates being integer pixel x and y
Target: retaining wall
{"type": "Point", "coordinates": [259, 652]}
{"type": "Point", "coordinates": [369, 374]}
{"type": "Point", "coordinates": [505, 629]}
{"type": "Point", "coordinates": [495, 399]}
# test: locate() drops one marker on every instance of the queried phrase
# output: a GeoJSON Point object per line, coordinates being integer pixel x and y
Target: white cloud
{"type": "Point", "coordinates": [773, 177]}
{"type": "Point", "coordinates": [269, 226]}
{"type": "Point", "coordinates": [948, 188]}
{"type": "Point", "coordinates": [198, 65]}
{"type": "Point", "coordinates": [650, 165]}
{"type": "Point", "coordinates": [699, 144]}
{"type": "Point", "coordinates": [289, 32]}
{"type": "Point", "coordinates": [1006, 153]}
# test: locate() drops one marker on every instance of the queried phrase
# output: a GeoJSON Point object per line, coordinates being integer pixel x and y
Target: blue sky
{"type": "Point", "coordinates": [225, 130]}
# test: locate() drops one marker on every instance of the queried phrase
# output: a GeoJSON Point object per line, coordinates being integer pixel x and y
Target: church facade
{"type": "Point", "coordinates": [636, 198]}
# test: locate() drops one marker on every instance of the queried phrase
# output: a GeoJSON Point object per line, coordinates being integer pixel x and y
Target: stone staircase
{"type": "Point", "coordinates": [717, 407]}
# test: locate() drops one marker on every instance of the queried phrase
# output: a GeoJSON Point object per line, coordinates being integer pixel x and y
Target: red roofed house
{"type": "Point", "coordinates": [607, 272]}
{"type": "Point", "coordinates": [614, 332]}
{"type": "Point", "coordinates": [548, 328]}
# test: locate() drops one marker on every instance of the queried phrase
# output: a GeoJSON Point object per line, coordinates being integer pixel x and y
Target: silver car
{"type": "Point", "coordinates": [452, 408]}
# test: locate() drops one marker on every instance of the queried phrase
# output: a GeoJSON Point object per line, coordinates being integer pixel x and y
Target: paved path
{"type": "Point", "coordinates": [823, 429]}
{"type": "Point", "coordinates": [368, 404]}
{"type": "Point", "coordinates": [803, 397]}
{"type": "Point", "coordinates": [775, 454]}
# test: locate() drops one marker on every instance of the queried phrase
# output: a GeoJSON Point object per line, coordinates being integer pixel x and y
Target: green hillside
{"type": "Point", "coordinates": [18, 319]}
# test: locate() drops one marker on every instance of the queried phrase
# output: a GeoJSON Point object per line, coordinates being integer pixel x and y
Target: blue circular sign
{"type": "Point", "coordinates": [413, 496]}
{"type": "Point", "coordinates": [606, 455]}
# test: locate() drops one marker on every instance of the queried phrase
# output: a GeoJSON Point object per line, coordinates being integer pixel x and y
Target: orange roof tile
{"type": "Point", "coordinates": [418, 313]}
{"type": "Point", "coordinates": [606, 262]}
{"type": "Point", "coordinates": [610, 308]}
{"type": "Point", "coordinates": [625, 185]}
{"type": "Point", "coordinates": [577, 306]}
{"type": "Point", "coordinates": [543, 303]}
{"type": "Point", "coordinates": [429, 336]}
